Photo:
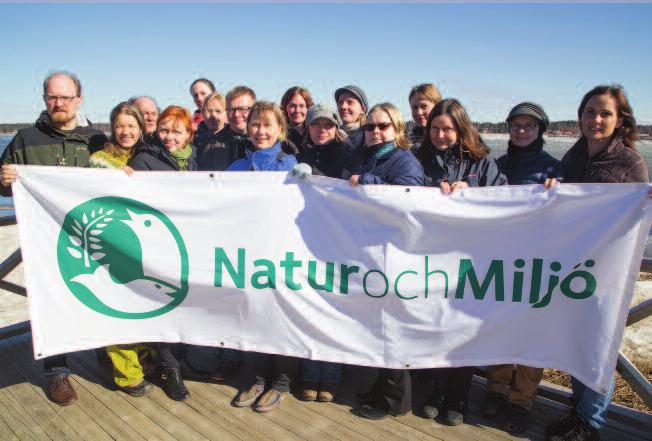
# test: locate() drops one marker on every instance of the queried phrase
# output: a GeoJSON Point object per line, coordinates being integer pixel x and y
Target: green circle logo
{"type": "Point", "coordinates": [123, 258]}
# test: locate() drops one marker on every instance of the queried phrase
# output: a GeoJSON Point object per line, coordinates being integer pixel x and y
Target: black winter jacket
{"type": "Point", "coordinates": [217, 152]}
{"type": "Point", "coordinates": [453, 165]}
{"type": "Point", "coordinates": [335, 159]}
{"type": "Point", "coordinates": [529, 165]}
{"type": "Point", "coordinates": [155, 157]}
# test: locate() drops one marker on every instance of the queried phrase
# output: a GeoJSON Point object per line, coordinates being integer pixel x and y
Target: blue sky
{"type": "Point", "coordinates": [488, 56]}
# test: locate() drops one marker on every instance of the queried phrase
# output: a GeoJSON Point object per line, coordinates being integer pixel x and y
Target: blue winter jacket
{"type": "Point", "coordinates": [396, 167]}
{"type": "Point", "coordinates": [529, 165]}
{"type": "Point", "coordinates": [271, 159]}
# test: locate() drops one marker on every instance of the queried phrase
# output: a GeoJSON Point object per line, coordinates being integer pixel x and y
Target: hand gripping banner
{"type": "Point", "coordinates": [390, 276]}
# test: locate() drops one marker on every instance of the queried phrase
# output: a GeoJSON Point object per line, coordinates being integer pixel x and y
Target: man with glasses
{"type": "Point", "coordinates": [57, 138]}
{"type": "Point", "coordinates": [232, 141]}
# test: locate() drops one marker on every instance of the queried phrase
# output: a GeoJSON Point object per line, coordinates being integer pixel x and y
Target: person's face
{"type": "Point", "coordinates": [264, 130]}
{"type": "Point", "coordinates": [237, 112]}
{"type": "Point", "coordinates": [199, 93]}
{"type": "Point", "coordinates": [322, 131]}
{"type": "Point", "coordinates": [173, 135]}
{"type": "Point", "coordinates": [126, 130]}
{"type": "Point", "coordinates": [148, 108]}
{"type": "Point", "coordinates": [215, 116]}
{"type": "Point", "coordinates": [600, 118]}
{"type": "Point", "coordinates": [296, 110]}
{"type": "Point", "coordinates": [61, 100]}
{"type": "Point", "coordinates": [443, 133]}
{"type": "Point", "coordinates": [378, 129]}
{"type": "Point", "coordinates": [420, 110]}
{"type": "Point", "coordinates": [523, 130]}
{"type": "Point", "coordinates": [349, 108]}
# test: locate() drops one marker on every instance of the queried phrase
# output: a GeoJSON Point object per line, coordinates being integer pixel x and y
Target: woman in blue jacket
{"type": "Point", "coordinates": [267, 130]}
{"type": "Point", "coordinates": [386, 157]}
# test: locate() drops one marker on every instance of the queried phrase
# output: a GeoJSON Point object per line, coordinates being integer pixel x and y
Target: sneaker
{"type": "Point", "coordinates": [189, 373]}
{"type": "Point", "coordinates": [61, 391]}
{"type": "Point", "coordinates": [225, 370]}
{"type": "Point", "coordinates": [174, 386]}
{"type": "Point", "coordinates": [139, 390]}
{"type": "Point", "coordinates": [495, 404]}
{"type": "Point", "coordinates": [371, 413]}
{"type": "Point", "coordinates": [327, 392]}
{"type": "Point", "coordinates": [517, 420]}
{"type": "Point", "coordinates": [572, 428]}
{"type": "Point", "coordinates": [453, 418]}
{"type": "Point", "coordinates": [433, 407]}
{"type": "Point", "coordinates": [248, 397]}
{"type": "Point", "coordinates": [269, 401]}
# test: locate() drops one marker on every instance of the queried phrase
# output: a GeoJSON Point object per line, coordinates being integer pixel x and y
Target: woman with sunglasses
{"type": "Point", "coordinates": [386, 157]}
{"type": "Point", "coordinates": [454, 157]}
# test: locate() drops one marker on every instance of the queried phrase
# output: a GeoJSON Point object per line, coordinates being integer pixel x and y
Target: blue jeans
{"type": "Point", "coordinates": [591, 405]}
{"type": "Point", "coordinates": [313, 371]}
{"type": "Point", "coordinates": [208, 359]}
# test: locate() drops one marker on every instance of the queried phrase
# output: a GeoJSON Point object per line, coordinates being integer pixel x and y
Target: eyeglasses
{"type": "Point", "coordinates": [526, 127]}
{"type": "Point", "coordinates": [54, 98]}
{"type": "Point", "coordinates": [240, 110]}
{"type": "Point", "coordinates": [372, 127]}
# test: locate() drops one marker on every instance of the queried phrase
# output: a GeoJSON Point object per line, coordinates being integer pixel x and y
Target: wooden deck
{"type": "Point", "coordinates": [102, 413]}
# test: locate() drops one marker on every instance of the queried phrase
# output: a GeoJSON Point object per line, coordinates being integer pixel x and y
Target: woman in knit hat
{"type": "Point", "coordinates": [524, 163]}
{"type": "Point", "coordinates": [352, 106]}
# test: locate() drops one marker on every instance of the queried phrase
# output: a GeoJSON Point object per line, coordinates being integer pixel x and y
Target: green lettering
{"type": "Point", "coordinates": [312, 276]}
{"type": "Point", "coordinates": [479, 291]}
{"type": "Point", "coordinates": [429, 273]}
{"type": "Point", "coordinates": [345, 271]}
{"type": "Point", "coordinates": [289, 263]}
{"type": "Point", "coordinates": [398, 294]}
{"type": "Point", "coordinates": [269, 272]}
{"type": "Point", "coordinates": [221, 259]}
{"type": "Point", "coordinates": [364, 283]}
{"type": "Point", "coordinates": [535, 283]}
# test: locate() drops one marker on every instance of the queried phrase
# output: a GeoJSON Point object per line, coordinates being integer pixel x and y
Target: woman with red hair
{"type": "Point", "coordinates": [174, 152]}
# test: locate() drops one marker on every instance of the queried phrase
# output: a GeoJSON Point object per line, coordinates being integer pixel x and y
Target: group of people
{"type": "Point", "coordinates": [366, 145]}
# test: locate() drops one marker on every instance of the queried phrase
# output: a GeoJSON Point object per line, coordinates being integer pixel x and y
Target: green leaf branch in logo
{"type": "Point", "coordinates": [123, 258]}
{"type": "Point", "coordinates": [87, 236]}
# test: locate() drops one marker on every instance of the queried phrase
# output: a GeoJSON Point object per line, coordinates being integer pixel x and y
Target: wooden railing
{"type": "Point", "coordinates": [625, 367]}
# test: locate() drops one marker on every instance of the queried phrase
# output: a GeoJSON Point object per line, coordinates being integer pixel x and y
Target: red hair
{"type": "Point", "coordinates": [181, 116]}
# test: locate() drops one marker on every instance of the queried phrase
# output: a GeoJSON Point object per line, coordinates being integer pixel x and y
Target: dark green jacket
{"type": "Point", "coordinates": [42, 144]}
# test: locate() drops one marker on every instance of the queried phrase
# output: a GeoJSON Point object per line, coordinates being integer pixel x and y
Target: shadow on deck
{"type": "Point", "coordinates": [102, 413]}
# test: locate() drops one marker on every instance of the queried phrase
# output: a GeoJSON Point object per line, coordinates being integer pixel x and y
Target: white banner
{"type": "Point", "coordinates": [400, 277]}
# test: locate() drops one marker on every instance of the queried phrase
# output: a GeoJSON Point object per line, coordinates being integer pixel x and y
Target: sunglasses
{"type": "Point", "coordinates": [372, 127]}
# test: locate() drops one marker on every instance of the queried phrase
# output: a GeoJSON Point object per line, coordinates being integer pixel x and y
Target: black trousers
{"type": "Point", "coordinates": [166, 354]}
{"type": "Point", "coordinates": [272, 370]}
{"type": "Point", "coordinates": [453, 384]}
{"type": "Point", "coordinates": [392, 391]}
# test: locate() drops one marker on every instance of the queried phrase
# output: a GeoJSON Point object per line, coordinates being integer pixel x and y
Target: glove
{"type": "Point", "coordinates": [301, 171]}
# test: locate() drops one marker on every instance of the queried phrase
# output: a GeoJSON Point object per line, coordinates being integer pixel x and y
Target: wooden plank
{"type": "Point", "coordinates": [215, 407]}
{"type": "Point", "coordinates": [19, 349]}
{"type": "Point", "coordinates": [20, 423]}
{"type": "Point", "coordinates": [5, 431]}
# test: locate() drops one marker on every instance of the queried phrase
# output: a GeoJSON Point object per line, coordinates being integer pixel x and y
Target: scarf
{"type": "Point", "coordinates": [351, 127]}
{"type": "Point", "coordinates": [379, 150]}
{"type": "Point", "coordinates": [181, 156]}
{"type": "Point", "coordinates": [535, 147]}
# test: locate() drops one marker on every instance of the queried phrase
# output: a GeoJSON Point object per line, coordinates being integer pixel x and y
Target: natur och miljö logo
{"type": "Point", "coordinates": [123, 258]}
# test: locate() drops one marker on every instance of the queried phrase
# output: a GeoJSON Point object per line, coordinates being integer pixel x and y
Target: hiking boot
{"type": "Point", "coordinates": [495, 404]}
{"type": "Point", "coordinates": [61, 391]}
{"type": "Point", "coordinates": [189, 373]}
{"type": "Point", "coordinates": [269, 401]}
{"type": "Point", "coordinates": [248, 397]}
{"type": "Point", "coordinates": [452, 417]}
{"type": "Point", "coordinates": [372, 413]}
{"type": "Point", "coordinates": [364, 397]}
{"type": "Point", "coordinates": [139, 390]}
{"type": "Point", "coordinates": [433, 407]}
{"type": "Point", "coordinates": [308, 391]}
{"type": "Point", "coordinates": [173, 385]}
{"type": "Point", "coordinates": [572, 428]}
{"type": "Point", "coordinates": [327, 392]}
{"type": "Point", "coordinates": [225, 370]}
{"type": "Point", "coordinates": [517, 420]}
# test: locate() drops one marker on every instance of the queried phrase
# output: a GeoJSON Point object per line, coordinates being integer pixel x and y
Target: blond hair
{"type": "Point", "coordinates": [213, 96]}
{"type": "Point", "coordinates": [260, 108]}
{"type": "Point", "coordinates": [396, 118]}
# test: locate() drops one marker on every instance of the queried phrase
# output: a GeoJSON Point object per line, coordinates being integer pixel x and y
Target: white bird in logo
{"type": "Point", "coordinates": [161, 262]}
